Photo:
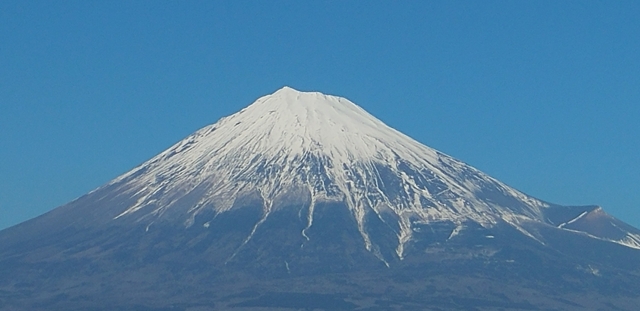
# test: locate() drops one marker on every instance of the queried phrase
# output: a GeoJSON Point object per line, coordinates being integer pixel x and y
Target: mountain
{"type": "Point", "coordinates": [305, 201]}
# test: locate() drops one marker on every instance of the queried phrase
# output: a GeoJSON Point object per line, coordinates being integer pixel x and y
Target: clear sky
{"type": "Point", "coordinates": [542, 95]}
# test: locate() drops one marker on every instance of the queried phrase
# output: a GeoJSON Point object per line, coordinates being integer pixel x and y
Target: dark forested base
{"type": "Point", "coordinates": [168, 268]}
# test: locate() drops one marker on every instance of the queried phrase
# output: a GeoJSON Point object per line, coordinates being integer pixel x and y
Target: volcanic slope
{"type": "Point", "coordinates": [305, 188]}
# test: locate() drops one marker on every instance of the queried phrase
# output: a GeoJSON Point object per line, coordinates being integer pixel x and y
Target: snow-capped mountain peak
{"type": "Point", "coordinates": [307, 189]}
{"type": "Point", "coordinates": [310, 147]}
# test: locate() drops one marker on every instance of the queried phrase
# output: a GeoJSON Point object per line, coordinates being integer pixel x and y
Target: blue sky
{"type": "Point", "coordinates": [542, 95]}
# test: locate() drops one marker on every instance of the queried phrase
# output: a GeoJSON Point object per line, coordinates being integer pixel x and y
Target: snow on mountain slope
{"type": "Point", "coordinates": [308, 147]}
